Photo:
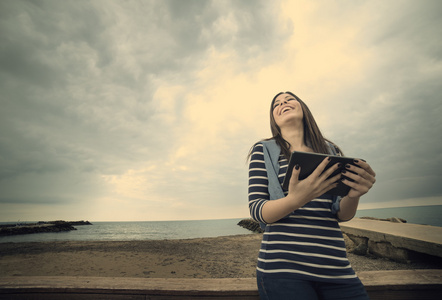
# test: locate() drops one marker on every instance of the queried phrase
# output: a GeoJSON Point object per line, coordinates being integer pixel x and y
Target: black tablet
{"type": "Point", "coordinates": [308, 163]}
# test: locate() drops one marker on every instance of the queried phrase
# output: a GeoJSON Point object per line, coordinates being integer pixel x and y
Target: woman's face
{"type": "Point", "coordinates": [286, 108]}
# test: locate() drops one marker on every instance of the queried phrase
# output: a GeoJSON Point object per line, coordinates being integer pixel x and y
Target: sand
{"type": "Point", "coordinates": [220, 257]}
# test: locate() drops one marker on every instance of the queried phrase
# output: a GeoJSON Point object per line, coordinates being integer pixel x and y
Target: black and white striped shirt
{"type": "Point", "coordinates": [307, 244]}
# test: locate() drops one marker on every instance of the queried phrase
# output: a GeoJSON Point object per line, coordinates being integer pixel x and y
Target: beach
{"type": "Point", "coordinates": [219, 257]}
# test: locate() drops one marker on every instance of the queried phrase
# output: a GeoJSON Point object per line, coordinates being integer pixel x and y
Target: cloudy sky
{"type": "Point", "coordinates": [146, 110]}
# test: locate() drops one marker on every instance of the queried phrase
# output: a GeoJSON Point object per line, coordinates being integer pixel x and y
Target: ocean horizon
{"type": "Point", "coordinates": [423, 215]}
{"type": "Point", "coordinates": [137, 230]}
{"type": "Point", "coordinates": [188, 229]}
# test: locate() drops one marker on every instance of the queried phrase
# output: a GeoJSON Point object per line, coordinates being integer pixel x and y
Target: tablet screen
{"type": "Point", "coordinates": [308, 163]}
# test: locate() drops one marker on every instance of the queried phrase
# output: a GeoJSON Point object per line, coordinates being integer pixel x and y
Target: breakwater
{"type": "Point", "coordinates": [50, 226]}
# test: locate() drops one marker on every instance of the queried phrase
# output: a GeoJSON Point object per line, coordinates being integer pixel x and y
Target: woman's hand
{"type": "Point", "coordinates": [318, 183]}
{"type": "Point", "coordinates": [363, 179]}
{"type": "Point", "coordinates": [301, 191]}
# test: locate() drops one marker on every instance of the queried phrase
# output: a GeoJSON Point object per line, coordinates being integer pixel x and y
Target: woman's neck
{"type": "Point", "coordinates": [296, 139]}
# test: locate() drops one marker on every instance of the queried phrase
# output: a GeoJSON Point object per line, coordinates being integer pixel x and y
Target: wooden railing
{"type": "Point", "coordinates": [402, 284]}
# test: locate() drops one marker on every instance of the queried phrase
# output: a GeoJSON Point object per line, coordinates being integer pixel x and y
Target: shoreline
{"type": "Point", "coordinates": [219, 257]}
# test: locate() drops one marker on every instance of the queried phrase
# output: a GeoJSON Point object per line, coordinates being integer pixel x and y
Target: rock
{"type": "Point", "coordinates": [349, 244]}
{"type": "Point", "coordinates": [396, 220]}
{"type": "Point", "coordinates": [393, 219]}
{"type": "Point", "coordinates": [73, 223]}
{"type": "Point", "coordinates": [78, 223]}
{"type": "Point", "coordinates": [55, 226]}
{"type": "Point", "coordinates": [251, 225]}
{"type": "Point", "coordinates": [359, 246]}
{"type": "Point", "coordinates": [387, 250]}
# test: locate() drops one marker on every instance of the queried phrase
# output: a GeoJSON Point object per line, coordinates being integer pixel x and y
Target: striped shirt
{"type": "Point", "coordinates": [307, 244]}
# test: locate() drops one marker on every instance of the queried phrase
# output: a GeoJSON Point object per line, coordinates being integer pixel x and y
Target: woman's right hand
{"type": "Point", "coordinates": [303, 191]}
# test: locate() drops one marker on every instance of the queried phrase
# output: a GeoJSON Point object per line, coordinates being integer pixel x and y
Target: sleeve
{"type": "Point", "coordinates": [336, 206]}
{"type": "Point", "coordinates": [258, 183]}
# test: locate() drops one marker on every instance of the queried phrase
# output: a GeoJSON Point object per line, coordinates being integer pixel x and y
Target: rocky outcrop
{"type": "Point", "coordinates": [58, 226]}
{"type": "Point", "coordinates": [251, 225]}
{"type": "Point", "coordinates": [78, 223]}
{"type": "Point", "coordinates": [42, 226]}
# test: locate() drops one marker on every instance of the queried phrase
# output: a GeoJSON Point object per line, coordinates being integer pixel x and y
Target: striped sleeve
{"type": "Point", "coordinates": [258, 183]}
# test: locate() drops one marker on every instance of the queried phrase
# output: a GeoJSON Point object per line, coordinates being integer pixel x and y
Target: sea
{"type": "Point", "coordinates": [130, 231]}
{"type": "Point", "coordinates": [161, 230]}
{"type": "Point", "coordinates": [424, 215]}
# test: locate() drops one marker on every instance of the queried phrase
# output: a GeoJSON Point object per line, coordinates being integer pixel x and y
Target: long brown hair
{"type": "Point", "coordinates": [313, 137]}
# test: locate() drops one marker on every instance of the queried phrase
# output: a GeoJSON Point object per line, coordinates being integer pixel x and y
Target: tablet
{"type": "Point", "coordinates": [309, 161]}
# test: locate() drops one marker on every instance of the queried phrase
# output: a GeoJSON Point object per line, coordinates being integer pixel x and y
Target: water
{"type": "Point", "coordinates": [124, 231]}
{"type": "Point", "coordinates": [159, 230]}
{"type": "Point", "coordinates": [425, 215]}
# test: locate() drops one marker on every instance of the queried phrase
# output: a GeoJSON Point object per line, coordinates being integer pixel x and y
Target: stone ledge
{"type": "Point", "coordinates": [397, 241]}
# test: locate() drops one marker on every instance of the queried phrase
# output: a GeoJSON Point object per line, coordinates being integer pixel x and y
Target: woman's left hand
{"type": "Point", "coordinates": [363, 176]}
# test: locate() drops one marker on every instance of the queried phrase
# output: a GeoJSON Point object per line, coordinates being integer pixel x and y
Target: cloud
{"type": "Point", "coordinates": [146, 110]}
{"type": "Point", "coordinates": [401, 107]}
{"type": "Point", "coordinates": [96, 103]}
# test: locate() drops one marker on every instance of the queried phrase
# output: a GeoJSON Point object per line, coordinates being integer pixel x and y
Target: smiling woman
{"type": "Point", "coordinates": [303, 251]}
{"type": "Point", "coordinates": [287, 109]}
{"type": "Point", "coordinates": [302, 114]}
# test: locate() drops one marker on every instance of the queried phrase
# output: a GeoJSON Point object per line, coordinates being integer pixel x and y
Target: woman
{"type": "Point", "coordinates": [302, 253]}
